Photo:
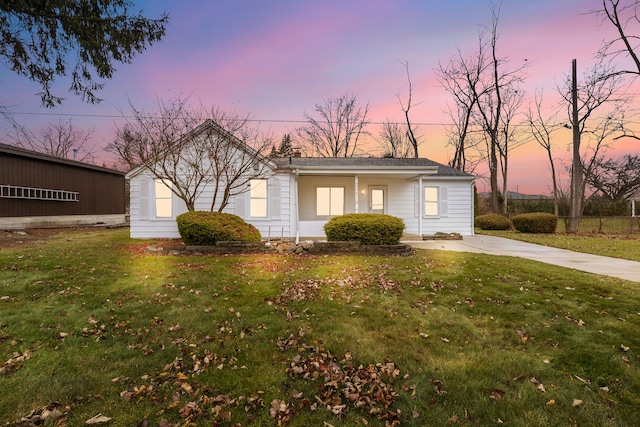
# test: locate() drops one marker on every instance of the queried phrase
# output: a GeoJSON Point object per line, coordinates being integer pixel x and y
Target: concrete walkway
{"type": "Point", "coordinates": [614, 267]}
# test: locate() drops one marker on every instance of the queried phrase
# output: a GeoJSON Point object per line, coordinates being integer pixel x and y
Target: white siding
{"type": "Point", "coordinates": [277, 223]}
{"type": "Point", "coordinates": [143, 224]}
{"type": "Point", "coordinates": [402, 200]}
{"type": "Point", "coordinates": [458, 216]}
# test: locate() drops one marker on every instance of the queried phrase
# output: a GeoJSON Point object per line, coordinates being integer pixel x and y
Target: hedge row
{"type": "Point", "coordinates": [538, 222]}
{"type": "Point", "coordinates": [493, 222]}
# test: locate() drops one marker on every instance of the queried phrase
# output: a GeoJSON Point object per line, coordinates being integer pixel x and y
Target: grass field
{"type": "Point", "coordinates": [91, 325]}
{"type": "Point", "coordinates": [612, 245]}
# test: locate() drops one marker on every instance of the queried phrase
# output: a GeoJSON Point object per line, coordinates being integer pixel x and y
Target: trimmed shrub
{"type": "Point", "coordinates": [493, 222]}
{"type": "Point", "coordinates": [368, 229]}
{"type": "Point", "coordinates": [200, 228]}
{"type": "Point", "coordinates": [538, 222]}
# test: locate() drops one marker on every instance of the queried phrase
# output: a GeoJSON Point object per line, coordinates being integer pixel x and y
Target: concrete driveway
{"type": "Point", "coordinates": [614, 267]}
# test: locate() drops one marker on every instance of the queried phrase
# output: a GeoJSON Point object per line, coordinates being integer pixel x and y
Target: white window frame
{"type": "Point", "coordinates": [332, 197]}
{"type": "Point", "coordinates": [258, 195]}
{"type": "Point", "coordinates": [430, 202]}
{"type": "Point", "coordinates": [161, 197]}
{"type": "Point", "coordinates": [382, 188]}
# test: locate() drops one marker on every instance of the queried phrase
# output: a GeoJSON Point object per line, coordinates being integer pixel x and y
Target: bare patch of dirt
{"type": "Point", "coordinates": [33, 236]}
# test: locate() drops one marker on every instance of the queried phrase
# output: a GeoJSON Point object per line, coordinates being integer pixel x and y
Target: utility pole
{"type": "Point", "coordinates": [576, 166]}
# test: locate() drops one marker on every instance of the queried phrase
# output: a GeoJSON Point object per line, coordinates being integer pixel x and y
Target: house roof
{"type": "Point", "coordinates": [419, 166]}
{"type": "Point", "coordinates": [207, 126]}
{"type": "Point", "coordinates": [21, 152]}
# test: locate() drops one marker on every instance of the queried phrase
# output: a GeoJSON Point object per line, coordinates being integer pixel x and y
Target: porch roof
{"type": "Point", "coordinates": [368, 165]}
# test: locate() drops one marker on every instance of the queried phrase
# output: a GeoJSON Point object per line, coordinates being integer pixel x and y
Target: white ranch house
{"type": "Point", "coordinates": [301, 194]}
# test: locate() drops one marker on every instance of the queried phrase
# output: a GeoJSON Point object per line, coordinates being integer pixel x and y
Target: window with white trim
{"type": "Point", "coordinates": [431, 201]}
{"type": "Point", "coordinates": [164, 197]}
{"type": "Point", "coordinates": [329, 201]}
{"type": "Point", "coordinates": [258, 198]}
{"type": "Point", "coordinates": [378, 199]}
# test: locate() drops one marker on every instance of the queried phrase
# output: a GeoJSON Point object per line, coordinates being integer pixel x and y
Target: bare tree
{"type": "Point", "coordinates": [485, 88]}
{"type": "Point", "coordinates": [493, 109]}
{"type": "Point", "coordinates": [394, 141]}
{"type": "Point", "coordinates": [335, 130]}
{"type": "Point", "coordinates": [596, 125]}
{"type": "Point", "coordinates": [461, 136]}
{"type": "Point", "coordinates": [237, 155]}
{"type": "Point", "coordinates": [460, 78]}
{"type": "Point", "coordinates": [542, 128]}
{"type": "Point", "coordinates": [600, 138]}
{"type": "Point", "coordinates": [194, 147]}
{"type": "Point", "coordinates": [512, 101]}
{"type": "Point", "coordinates": [624, 16]}
{"type": "Point", "coordinates": [60, 139]}
{"type": "Point", "coordinates": [617, 178]}
{"type": "Point", "coordinates": [410, 130]}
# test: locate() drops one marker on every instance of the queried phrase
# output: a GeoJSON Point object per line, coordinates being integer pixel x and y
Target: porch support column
{"type": "Point", "coordinates": [355, 186]}
{"type": "Point", "coordinates": [420, 205]}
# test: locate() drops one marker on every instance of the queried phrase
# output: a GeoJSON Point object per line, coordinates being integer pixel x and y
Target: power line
{"type": "Point", "coordinates": [125, 116]}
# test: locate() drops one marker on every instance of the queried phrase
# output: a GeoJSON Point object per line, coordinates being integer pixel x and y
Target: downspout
{"type": "Point", "coordinates": [473, 207]}
{"type": "Point", "coordinates": [420, 205]}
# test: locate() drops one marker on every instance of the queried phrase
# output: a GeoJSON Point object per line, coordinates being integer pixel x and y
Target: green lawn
{"type": "Point", "coordinates": [90, 324]}
{"type": "Point", "coordinates": [613, 245]}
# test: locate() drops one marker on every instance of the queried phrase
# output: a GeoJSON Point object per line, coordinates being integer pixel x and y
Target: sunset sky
{"type": "Point", "coordinates": [276, 59]}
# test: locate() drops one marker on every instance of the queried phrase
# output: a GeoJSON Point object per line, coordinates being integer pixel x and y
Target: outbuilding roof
{"type": "Point", "coordinates": [21, 152]}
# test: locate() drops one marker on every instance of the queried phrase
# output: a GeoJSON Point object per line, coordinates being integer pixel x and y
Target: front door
{"type": "Point", "coordinates": [378, 199]}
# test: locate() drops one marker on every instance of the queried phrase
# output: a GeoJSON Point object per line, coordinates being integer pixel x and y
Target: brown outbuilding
{"type": "Point", "coordinates": [39, 190]}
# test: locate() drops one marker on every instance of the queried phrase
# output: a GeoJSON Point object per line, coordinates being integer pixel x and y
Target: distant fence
{"type": "Point", "coordinates": [603, 224]}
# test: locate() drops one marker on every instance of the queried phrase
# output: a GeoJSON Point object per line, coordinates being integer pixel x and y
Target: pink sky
{"type": "Point", "coordinates": [277, 59]}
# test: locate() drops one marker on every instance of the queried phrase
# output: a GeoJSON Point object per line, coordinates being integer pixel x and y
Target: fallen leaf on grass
{"type": "Point", "coordinates": [576, 402]}
{"type": "Point", "coordinates": [582, 380]}
{"type": "Point", "coordinates": [98, 419]}
{"type": "Point", "coordinates": [445, 339]}
{"type": "Point", "coordinates": [524, 336]}
{"type": "Point", "coordinates": [624, 348]}
{"type": "Point", "coordinates": [497, 394]}
{"type": "Point", "coordinates": [49, 415]}
{"type": "Point", "coordinates": [281, 411]}
{"type": "Point", "coordinates": [551, 402]}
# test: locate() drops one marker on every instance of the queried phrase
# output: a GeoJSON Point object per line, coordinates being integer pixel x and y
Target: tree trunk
{"type": "Point", "coordinates": [576, 169]}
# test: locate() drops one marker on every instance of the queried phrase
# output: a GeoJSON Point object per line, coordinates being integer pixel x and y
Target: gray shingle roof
{"type": "Point", "coordinates": [367, 162]}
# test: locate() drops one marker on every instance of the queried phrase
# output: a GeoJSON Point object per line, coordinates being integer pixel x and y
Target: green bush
{"type": "Point", "coordinates": [538, 222]}
{"type": "Point", "coordinates": [368, 229]}
{"type": "Point", "coordinates": [202, 228]}
{"type": "Point", "coordinates": [493, 222]}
